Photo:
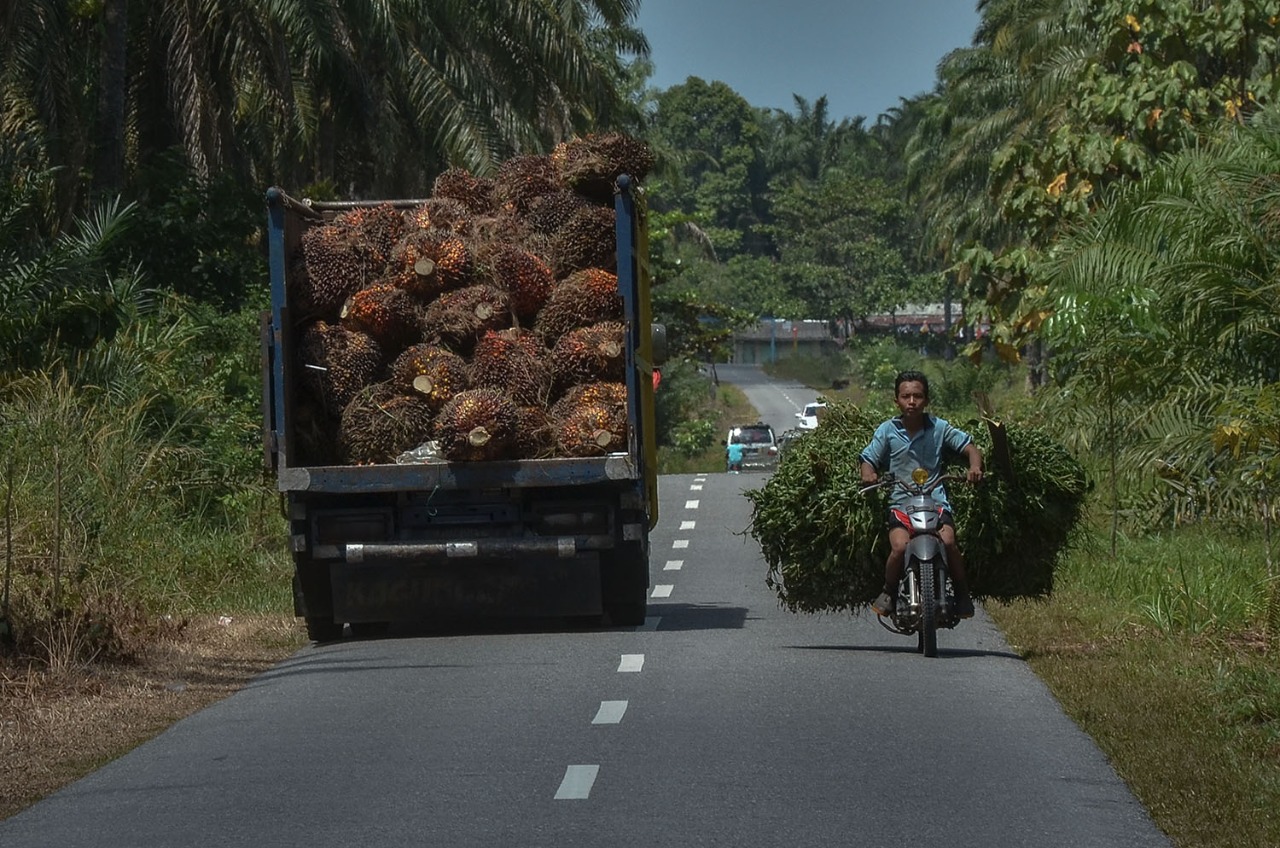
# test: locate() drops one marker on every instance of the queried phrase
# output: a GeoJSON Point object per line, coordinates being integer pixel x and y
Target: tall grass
{"type": "Point", "coordinates": [1190, 580]}
{"type": "Point", "coordinates": [115, 527]}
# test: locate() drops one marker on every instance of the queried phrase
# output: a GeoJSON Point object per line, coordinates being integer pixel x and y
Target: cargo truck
{"type": "Point", "coordinates": [431, 540]}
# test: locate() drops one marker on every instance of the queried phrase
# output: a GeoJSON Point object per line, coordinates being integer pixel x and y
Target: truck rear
{"type": "Point", "coordinates": [422, 536]}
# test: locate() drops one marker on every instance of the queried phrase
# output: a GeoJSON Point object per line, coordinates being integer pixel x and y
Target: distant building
{"type": "Point", "coordinates": [913, 316]}
{"type": "Point", "coordinates": [778, 338]}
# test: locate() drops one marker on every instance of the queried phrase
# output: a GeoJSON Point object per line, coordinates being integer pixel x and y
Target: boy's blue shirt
{"type": "Point", "coordinates": [892, 450]}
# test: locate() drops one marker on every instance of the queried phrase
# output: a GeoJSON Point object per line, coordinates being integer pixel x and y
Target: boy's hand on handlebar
{"type": "Point", "coordinates": [973, 475]}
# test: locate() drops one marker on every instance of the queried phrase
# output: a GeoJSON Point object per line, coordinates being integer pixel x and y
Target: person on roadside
{"type": "Point", "coordinates": [910, 440]}
{"type": "Point", "coordinates": [734, 454]}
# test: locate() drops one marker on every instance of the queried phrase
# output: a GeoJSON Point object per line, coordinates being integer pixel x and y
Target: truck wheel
{"type": "Point", "coordinates": [628, 613]}
{"type": "Point", "coordinates": [625, 587]}
{"type": "Point", "coordinates": [369, 629]}
{"type": "Point", "coordinates": [323, 629]}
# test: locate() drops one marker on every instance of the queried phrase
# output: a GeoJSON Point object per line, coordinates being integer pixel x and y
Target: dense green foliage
{"type": "Point", "coordinates": [376, 98]}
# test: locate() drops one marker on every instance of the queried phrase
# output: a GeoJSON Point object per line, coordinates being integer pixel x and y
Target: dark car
{"type": "Point", "coordinates": [759, 445]}
{"type": "Point", "coordinates": [787, 438]}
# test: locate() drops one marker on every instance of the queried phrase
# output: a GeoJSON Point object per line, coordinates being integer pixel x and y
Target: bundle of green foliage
{"type": "Point", "coordinates": [825, 543]}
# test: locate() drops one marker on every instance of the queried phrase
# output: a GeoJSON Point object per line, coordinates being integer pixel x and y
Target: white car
{"type": "Point", "coordinates": [809, 415]}
{"type": "Point", "coordinates": [759, 445]}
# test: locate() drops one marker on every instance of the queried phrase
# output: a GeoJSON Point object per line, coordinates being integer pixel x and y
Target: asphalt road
{"type": "Point", "coordinates": [723, 721]}
{"type": "Point", "coordinates": [777, 401]}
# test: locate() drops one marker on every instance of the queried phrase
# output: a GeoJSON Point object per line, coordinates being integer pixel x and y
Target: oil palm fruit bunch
{"type": "Point", "coordinates": [439, 213]}
{"type": "Point", "coordinates": [433, 372]}
{"type": "Point", "coordinates": [592, 164]}
{"type": "Point", "coordinates": [336, 363]}
{"type": "Point", "coordinates": [478, 424]}
{"type": "Point", "coordinates": [385, 312]}
{"type": "Point", "coordinates": [606, 394]}
{"type": "Point", "coordinates": [375, 229]}
{"type": "Point", "coordinates": [380, 423]}
{"type": "Point", "coordinates": [315, 433]}
{"type": "Point", "coordinates": [548, 213]}
{"type": "Point", "coordinates": [589, 355]}
{"type": "Point", "coordinates": [583, 298]}
{"type": "Point", "coordinates": [515, 361]}
{"type": "Point", "coordinates": [522, 179]}
{"type": "Point", "coordinates": [534, 437]}
{"type": "Point", "coordinates": [523, 276]}
{"type": "Point", "coordinates": [426, 263]}
{"type": "Point", "coordinates": [335, 269]}
{"type": "Point", "coordinates": [587, 240]}
{"type": "Point", "coordinates": [590, 429]}
{"type": "Point", "coordinates": [501, 228]}
{"type": "Point", "coordinates": [459, 318]}
{"type": "Point", "coordinates": [475, 193]}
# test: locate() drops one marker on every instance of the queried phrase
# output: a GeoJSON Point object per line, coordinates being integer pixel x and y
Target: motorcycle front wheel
{"type": "Point", "coordinates": [928, 610]}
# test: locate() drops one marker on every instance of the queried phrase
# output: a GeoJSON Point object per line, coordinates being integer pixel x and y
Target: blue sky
{"type": "Point", "coordinates": [862, 54]}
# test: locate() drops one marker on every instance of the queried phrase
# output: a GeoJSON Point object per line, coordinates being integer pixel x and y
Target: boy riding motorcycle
{"type": "Point", "coordinates": [916, 439]}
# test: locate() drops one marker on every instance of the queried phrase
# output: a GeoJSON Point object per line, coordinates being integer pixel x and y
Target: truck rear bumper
{"type": "Point", "coordinates": [565, 547]}
{"type": "Point", "coordinates": [399, 590]}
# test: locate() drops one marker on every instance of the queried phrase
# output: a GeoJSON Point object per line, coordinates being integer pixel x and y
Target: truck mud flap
{"type": "Point", "coordinates": [534, 586]}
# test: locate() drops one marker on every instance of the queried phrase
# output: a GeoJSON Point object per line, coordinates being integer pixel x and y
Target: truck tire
{"type": "Point", "coordinates": [625, 587]}
{"type": "Point", "coordinates": [628, 613]}
{"type": "Point", "coordinates": [370, 629]}
{"type": "Point", "coordinates": [312, 602]}
{"type": "Point", "coordinates": [323, 629]}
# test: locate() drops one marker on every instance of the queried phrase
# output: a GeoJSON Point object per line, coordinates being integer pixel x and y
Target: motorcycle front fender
{"type": "Point", "coordinates": [925, 548]}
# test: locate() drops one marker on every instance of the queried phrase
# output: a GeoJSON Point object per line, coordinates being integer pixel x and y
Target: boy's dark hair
{"type": "Point", "coordinates": [911, 377]}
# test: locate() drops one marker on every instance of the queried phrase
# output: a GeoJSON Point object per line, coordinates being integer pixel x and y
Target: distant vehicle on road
{"type": "Point", "coordinates": [810, 415]}
{"type": "Point", "coordinates": [786, 439]}
{"type": "Point", "coordinates": [759, 445]}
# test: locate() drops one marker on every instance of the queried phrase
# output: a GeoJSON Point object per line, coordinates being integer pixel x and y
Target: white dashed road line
{"type": "Point", "coordinates": [631, 662]}
{"type": "Point", "coordinates": [673, 565]}
{"type": "Point", "coordinates": [577, 783]}
{"type": "Point", "coordinates": [680, 543]}
{"type": "Point", "coordinates": [663, 590]}
{"type": "Point", "coordinates": [691, 504]}
{"type": "Point", "coordinates": [610, 712]}
{"type": "Point", "coordinates": [688, 525]}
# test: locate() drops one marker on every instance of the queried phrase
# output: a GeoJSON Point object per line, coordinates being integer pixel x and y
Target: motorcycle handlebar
{"type": "Point", "coordinates": [910, 485]}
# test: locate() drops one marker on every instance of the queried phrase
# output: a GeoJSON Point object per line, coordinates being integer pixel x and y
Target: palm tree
{"type": "Point", "coordinates": [1168, 310]}
{"type": "Point", "coordinates": [373, 96]}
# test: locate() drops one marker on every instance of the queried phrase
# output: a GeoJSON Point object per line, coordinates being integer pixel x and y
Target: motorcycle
{"type": "Point", "coordinates": [926, 597]}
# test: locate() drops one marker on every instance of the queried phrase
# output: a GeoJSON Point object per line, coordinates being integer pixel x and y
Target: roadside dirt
{"type": "Point", "coordinates": [56, 728]}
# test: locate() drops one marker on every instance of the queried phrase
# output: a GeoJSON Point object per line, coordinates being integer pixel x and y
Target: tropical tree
{"type": "Point", "coordinates": [846, 243]}
{"type": "Point", "coordinates": [60, 291]}
{"type": "Point", "coordinates": [374, 97]}
{"type": "Point", "coordinates": [1168, 310]}
{"type": "Point", "coordinates": [1056, 101]}
{"type": "Point", "coordinates": [721, 182]}
{"type": "Point", "coordinates": [804, 144]}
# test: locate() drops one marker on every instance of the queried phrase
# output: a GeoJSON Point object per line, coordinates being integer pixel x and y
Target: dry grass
{"type": "Point", "coordinates": [57, 727]}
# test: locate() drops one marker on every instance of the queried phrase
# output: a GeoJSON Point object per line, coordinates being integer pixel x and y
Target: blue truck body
{"type": "Point", "coordinates": [374, 544]}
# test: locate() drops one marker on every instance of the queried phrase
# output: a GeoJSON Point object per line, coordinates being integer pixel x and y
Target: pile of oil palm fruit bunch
{"type": "Point", "coordinates": [825, 544]}
{"type": "Point", "coordinates": [485, 319]}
